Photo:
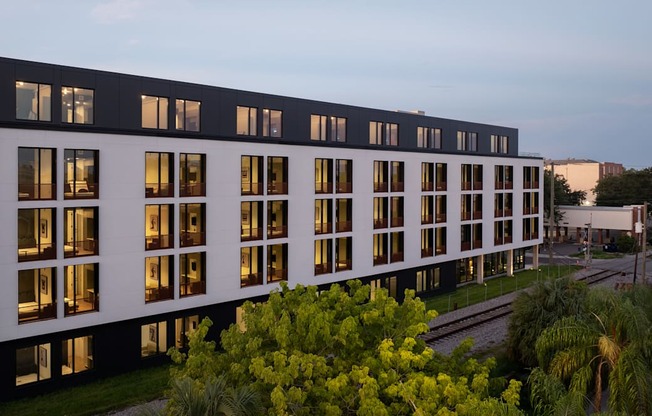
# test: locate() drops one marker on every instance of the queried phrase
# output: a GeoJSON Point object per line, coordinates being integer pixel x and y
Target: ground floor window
{"type": "Point", "coordinates": [427, 279]}
{"type": "Point", "coordinates": [153, 339]}
{"type": "Point", "coordinates": [467, 269]}
{"type": "Point", "coordinates": [77, 355]}
{"type": "Point", "coordinates": [33, 364]}
{"type": "Point", "coordinates": [388, 283]}
{"type": "Point", "coordinates": [182, 328]}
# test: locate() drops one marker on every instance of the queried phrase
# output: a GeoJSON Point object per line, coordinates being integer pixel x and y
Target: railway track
{"type": "Point", "coordinates": [466, 323]}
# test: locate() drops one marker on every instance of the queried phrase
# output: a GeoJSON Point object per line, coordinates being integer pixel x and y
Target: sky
{"type": "Point", "coordinates": [575, 77]}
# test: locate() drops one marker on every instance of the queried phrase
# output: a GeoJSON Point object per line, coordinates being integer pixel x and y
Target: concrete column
{"type": "Point", "coordinates": [510, 262]}
{"type": "Point", "coordinates": [535, 256]}
{"type": "Point", "coordinates": [600, 236]}
{"type": "Point", "coordinates": [480, 267]}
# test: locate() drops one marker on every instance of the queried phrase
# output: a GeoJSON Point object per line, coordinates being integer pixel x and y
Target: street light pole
{"type": "Point", "coordinates": [551, 219]}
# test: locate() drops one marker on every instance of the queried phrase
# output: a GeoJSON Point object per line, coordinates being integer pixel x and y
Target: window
{"type": "Point", "coordinates": [192, 224]}
{"type": "Point", "coordinates": [427, 280]}
{"type": "Point", "coordinates": [81, 288]}
{"type": "Point", "coordinates": [318, 127]}
{"type": "Point", "coordinates": [36, 173]}
{"type": "Point", "coordinates": [184, 327]}
{"type": "Point", "coordinates": [467, 141]}
{"type": "Point", "coordinates": [398, 177]}
{"type": "Point", "coordinates": [426, 242]}
{"type": "Point", "coordinates": [33, 364]}
{"type": "Point", "coordinates": [477, 206]}
{"type": "Point", "coordinates": [380, 249]}
{"type": "Point", "coordinates": [323, 255]}
{"type": "Point", "coordinates": [383, 133]}
{"type": "Point", "coordinates": [272, 123]}
{"type": "Point", "coordinates": [388, 283]}
{"type": "Point", "coordinates": [477, 235]}
{"type": "Point", "coordinates": [251, 175]}
{"type": "Point", "coordinates": [499, 177]}
{"type": "Point", "coordinates": [323, 176]}
{"type": "Point", "coordinates": [471, 177]}
{"type": "Point", "coordinates": [277, 175]}
{"type": "Point", "coordinates": [36, 234]}
{"type": "Point", "coordinates": [277, 263]}
{"type": "Point", "coordinates": [338, 129]}
{"type": "Point", "coordinates": [509, 177]}
{"type": "Point", "coordinates": [440, 240]}
{"type": "Point", "coordinates": [159, 226]}
{"type": "Point", "coordinates": [426, 209]}
{"type": "Point", "coordinates": [192, 274]}
{"type": "Point", "coordinates": [159, 277]}
{"type": "Point", "coordinates": [499, 144]}
{"type": "Point", "coordinates": [380, 176]}
{"type": "Point", "coordinates": [441, 176]}
{"type": "Point", "coordinates": [465, 209]}
{"type": "Point", "coordinates": [77, 355]}
{"type": "Point", "coordinates": [344, 176]}
{"type": "Point", "coordinates": [396, 246]}
{"type": "Point", "coordinates": [477, 177]}
{"type": "Point", "coordinates": [499, 205]}
{"type": "Point", "coordinates": [81, 229]}
{"type": "Point", "coordinates": [429, 137]}
{"type": "Point", "coordinates": [380, 212]}
{"type": "Point", "coordinates": [440, 208]}
{"type": "Point", "coordinates": [530, 228]}
{"type": "Point", "coordinates": [81, 174]}
{"type": "Point", "coordinates": [37, 294]}
{"type": "Point", "coordinates": [343, 254]}
{"type": "Point", "coordinates": [508, 204]}
{"type": "Point", "coordinates": [427, 176]}
{"type": "Point", "coordinates": [246, 121]}
{"type": "Point", "coordinates": [33, 101]}
{"type": "Point", "coordinates": [251, 266]}
{"type": "Point", "coordinates": [153, 339]}
{"type": "Point", "coordinates": [530, 203]}
{"type": "Point", "coordinates": [251, 222]}
{"type": "Point", "coordinates": [77, 105]}
{"type": "Point", "coordinates": [466, 237]}
{"type": "Point", "coordinates": [502, 232]}
{"type": "Point", "coordinates": [467, 269]}
{"type": "Point", "coordinates": [159, 174]}
{"type": "Point", "coordinates": [187, 115]}
{"type": "Point", "coordinates": [277, 219]}
{"type": "Point", "coordinates": [531, 177]}
{"type": "Point", "coordinates": [192, 174]}
{"type": "Point", "coordinates": [343, 215]}
{"type": "Point", "coordinates": [323, 216]}
{"type": "Point", "coordinates": [397, 211]}
{"type": "Point", "coordinates": [154, 112]}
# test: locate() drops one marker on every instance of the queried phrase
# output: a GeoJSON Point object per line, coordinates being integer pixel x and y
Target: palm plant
{"type": "Point", "coordinates": [612, 341]}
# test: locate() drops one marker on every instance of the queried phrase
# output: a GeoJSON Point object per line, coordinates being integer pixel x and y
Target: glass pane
{"type": "Point", "coordinates": [150, 112]}
{"type": "Point", "coordinates": [181, 114]}
{"type": "Point", "coordinates": [192, 115]}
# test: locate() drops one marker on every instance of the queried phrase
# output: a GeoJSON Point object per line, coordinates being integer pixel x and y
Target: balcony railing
{"type": "Point", "coordinates": [500, 185]}
{"type": "Point", "coordinates": [343, 226]}
{"type": "Point", "coordinates": [440, 186]}
{"type": "Point", "coordinates": [509, 185]}
{"type": "Point", "coordinates": [465, 215]}
{"type": "Point", "coordinates": [155, 242]}
{"type": "Point", "coordinates": [251, 279]}
{"type": "Point", "coordinates": [323, 187]}
{"type": "Point", "coordinates": [380, 259]}
{"type": "Point", "coordinates": [508, 239]}
{"type": "Point", "coordinates": [341, 265]}
{"type": "Point", "coordinates": [34, 191]}
{"type": "Point", "coordinates": [153, 294]}
{"type": "Point", "coordinates": [344, 187]}
{"type": "Point", "coordinates": [87, 247]}
{"type": "Point", "coordinates": [37, 252]}
{"type": "Point", "coordinates": [397, 186]}
{"type": "Point", "coordinates": [249, 188]}
{"type": "Point", "coordinates": [427, 186]}
{"type": "Point", "coordinates": [159, 190]}
{"type": "Point", "coordinates": [250, 234]}
{"type": "Point", "coordinates": [323, 227]}
{"type": "Point", "coordinates": [189, 239]}
{"type": "Point", "coordinates": [508, 212]}
{"type": "Point", "coordinates": [477, 244]}
{"type": "Point", "coordinates": [396, 257]}
{"type": "Point", "coordinates": [426, 252]}
{"type": "Point", "coordinates": [498, 213]}
{"type": "Point", "coordinates": [277, 231]}
{"type": "Point", "coordinates": [440, 218]}
{"type": "Point", "coordinates": [380, 186]}
{"type": "Point", "coordinates": [276, 275]}
{"type": "Point", "coordinates": [323, 268]}
{"type": "Point", "coordinates": [477, 215]}
{"type": "Point", "coordinates": [33, 311]}
{"type": "Point", "coordinates": [190, 288]}
{"type": "Point", "coordinates": [466, 185]}
{"type": "Point", "coordinates": [380, 223]}
{"type": "Point", "coordinates": [477, 185]}
{"type": "Point", "coordinates": [277, 188]}
{"type": "Point", "coordinates": [440, 250]}
{"type": "Point", "coordinates": [465, 246]}
{"type": "Point", "coordinates": [81, 190]}
{"type": "Point", "coordinates": [426, 219]}
{"type": "Point", "coordinates": [192, 189]}
{"type": "Point", "coordinates": [397, 221]}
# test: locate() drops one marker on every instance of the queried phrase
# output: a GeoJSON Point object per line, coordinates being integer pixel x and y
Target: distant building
{"type": "Point", "coordinates": [584, 174]}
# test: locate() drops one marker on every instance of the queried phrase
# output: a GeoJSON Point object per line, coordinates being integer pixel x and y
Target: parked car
{"type": "Point", "coordinates": [610, 248]}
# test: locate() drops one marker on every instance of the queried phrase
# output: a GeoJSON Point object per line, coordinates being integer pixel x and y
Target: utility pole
{"type": "Point", "coordinates": [587, 253]}
{"type": "Point", "coordinates": [644, 240]}
{"type": "Point", "coordinates": [551, 220]}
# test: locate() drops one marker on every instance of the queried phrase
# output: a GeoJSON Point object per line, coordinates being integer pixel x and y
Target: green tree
{"type": "Point", "coordinates": [611, 340]}
{"type": "Point", "coordinates": [632, 187]}
{"type": "Point", "coordinates": [338, 352]}
{"type": "Point", "coordinates": [563, 194]}
{"type": "Point", "coordinates": [538, 308]}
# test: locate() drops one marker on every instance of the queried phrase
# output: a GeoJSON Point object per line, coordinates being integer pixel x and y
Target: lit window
{"type": "Point", "coordinates": [323, 176]}
{"type": "Point", "coordinates": [246, 121]}
{"type": "Point", "coordinates": [159, 174]}
{"type": "Point", "coordinates": [33, 101]}
{"type": "Point", "coordinates": [33, 364]}
{"type": "Point", "coordinates": [426, 242]}
{"type": "Point", "coordinates": [277, 175]}
{"type": "Point", "coordinates": [81, 228]}
{"type": "Point", "coordinates": [396, 246]}
{"type": "Point", "coordinates": [427, 280]}
{"type": "Point", "coordinates": [251, 175]}
{"type": "Point", "coordinates": [192, 274]}
{"type": "Point", "coordinates": [81, 174]}
{"type": "Point", "coordinates": [440, 240]}
{"type": "Point", "coordinates": [427, 176]}
{"type": "Point", "coordinates": [343, 254]}
{"type": "Point", "coordinates": [467, 141]}
{"type": "Point", "coordinates": [398, 177]}
{"type": "Point", "coordinates": [192, 224]}
{"type": "Point", "coordinates": [380, 249]}
{"type": "Point", "coordinates": [192, 171]}
{"type": "Point", "coordinates": [183, 327]}
{"type": "Point", "coordinates": [77, 355]}
{"type": "Point", "coordinates": [154, 112]}
{"type": "Point", "coordinates": [344, 175]}
{"type": "Point", "coordinates": [251, 223]}
{"type": "Point", "coordinates": [429, 137]}
{"type": "Point", "coordinates": [77, 105]}
{"type": "Point", "coordinates": [499, 144]}
{"type": "Point", "coordinates": [153, 339]}
{"type": "Point", "coordinates": [277, 263]}
{"type": "Point", "coordinates": [318, 127]}
{"type": "Point", "coordinates": [396, 211]}
{"type": "Point", "coordinates": [272, 123]}
{"type": "Point", "coordinates": [323, 255]}
{"type": "Point", "coordinates": [323, 216]}
{"type": "Point", "coordinates": [383, 133]}
{"type": "Point", "coordinates": [187, 115]}
{"type": "Point", "coordinates": [380, 176]}
{"type": "Point", "coordinates": [81, 288]}
{"type": "Point", "coordinates": [159, 226]}
{"type": "Point", "coordinates": [36, 173]}
{"type": "Point", "coordinates": [343, 215]}
{"type": "Point", "coordinates": [158, 278]}
{"type": "Point", "coordinates": [36, 234]}
{"type": "Point", "coordinates": [37, 294]}
{"type": "Point", "coordinates": [251, 266]}
{"type": "Point", "coordinates": [277, 219]}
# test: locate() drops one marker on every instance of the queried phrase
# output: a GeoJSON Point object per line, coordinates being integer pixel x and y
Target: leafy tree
{"type": "Point", "coordinates": [538, 308]}
{"type": "Point", "coordinates": [338, 352]}
{"type": "Point", "coordinates": [632, 187]}
{"type": "Point", "coordinates": [611, 340]}
{"type": "Point", "coordinates": [626, 243]}
{"type": "Point", "coordinates": [563, 194]}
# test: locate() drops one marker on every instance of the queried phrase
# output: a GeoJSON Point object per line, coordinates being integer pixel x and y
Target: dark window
{"type": "Point", "coordinates": [192, 174]}
{"type": "Point", "coordinates": [192, 223]}
{"type": "Point", "coordinates": [37, 173]}
{"type": "Point", "coordinates": [192, 274]}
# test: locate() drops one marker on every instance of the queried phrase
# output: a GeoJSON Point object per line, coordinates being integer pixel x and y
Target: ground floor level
{"type": "Point", "coordinates": [51, 361]}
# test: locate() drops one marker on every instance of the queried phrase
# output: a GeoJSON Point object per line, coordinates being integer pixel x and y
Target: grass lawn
{"type": "Point", "coordinates": [473, 293]}
{"type": "Point", "coordinates": [95, 398]}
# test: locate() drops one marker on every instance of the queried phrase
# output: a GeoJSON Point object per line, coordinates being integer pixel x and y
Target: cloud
{"type": "Point", "coordinates": [636, 100]}
{"type": "Point", "coordinates": [113, 11]}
